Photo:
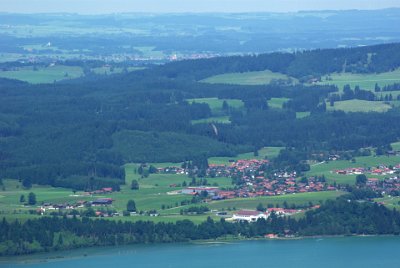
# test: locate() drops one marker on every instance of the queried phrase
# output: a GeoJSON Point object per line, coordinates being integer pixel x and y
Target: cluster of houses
{"type": "Point", "coordinates": [252, 182]}
{"type": "Point", "coordinates": [70, 206]}
{"type": "Point", "coordinates": [381, 170]}
{"type": "Point", "coordinates": [390, 186]}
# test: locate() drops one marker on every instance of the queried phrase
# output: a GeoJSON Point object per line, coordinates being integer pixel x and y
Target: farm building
{"type": "Point", "coordinates": [102, 202]}
{"type": "Point", "coordinates": [249, 215]}
{"type": "Point", "coordinates": [212, 191]}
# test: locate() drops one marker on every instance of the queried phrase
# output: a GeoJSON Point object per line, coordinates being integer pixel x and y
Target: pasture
{"type": "Point", "coordinates": [359, 106]}
{"type": "Point", "coordinates": [43, 74]}
{"type": "Point", "coordinates": [247, 78]}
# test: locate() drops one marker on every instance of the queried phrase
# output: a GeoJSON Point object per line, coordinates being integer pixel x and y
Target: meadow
{"type": "Point", "coordinates": [365, 81]}
{"type": "Point", "coordinates": [327, 168]}
{"type": "Point", "coordinates": [43, 74]}
{"type": "Point", "coordinates": [359, 106]}
{"type": "Point", "coordinates": [247, 78]}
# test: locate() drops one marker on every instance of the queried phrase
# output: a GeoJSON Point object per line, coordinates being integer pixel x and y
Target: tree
{"type": "Point", "coordinates": [27, 184]}
{"type": "Point", "coordinates": [131, 206]}
{"type": "Point", "coordinates": [31, 199]}
{"type": "Point", "coordinates": [140, 170]}
{"type": "Point", "coordinates": [152, 169]}
{"type": "Point", "coordinates": [135, 185]}
{"type": "Point", "coordinates": [361, 179]}
{"type": "Point", "coordinates": [260, 207]}
{"type": "Point", "coordinates": [225, 106]}
{"type": "Point", "coordinates": [22, 198]}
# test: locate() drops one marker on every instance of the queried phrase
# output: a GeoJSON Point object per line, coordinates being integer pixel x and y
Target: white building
{"type": "Point", "coordinates": [249, 215]}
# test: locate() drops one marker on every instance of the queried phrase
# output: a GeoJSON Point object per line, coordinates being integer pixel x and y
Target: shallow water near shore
{"type": "Point", "coordinates": [354, 252]}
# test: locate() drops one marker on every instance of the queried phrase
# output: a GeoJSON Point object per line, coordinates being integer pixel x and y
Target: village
{"type": "Point", "coordinates": [249, 181]}
{"type": "Point", "coordinates": [248, 177]}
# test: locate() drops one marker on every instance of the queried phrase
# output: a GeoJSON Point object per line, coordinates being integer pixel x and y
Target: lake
{"type": "Point", "coordinates": [354, 252]}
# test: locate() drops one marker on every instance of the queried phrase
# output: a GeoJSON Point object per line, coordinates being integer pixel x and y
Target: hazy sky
{"type": "Point", "coordinates": [117, 6]}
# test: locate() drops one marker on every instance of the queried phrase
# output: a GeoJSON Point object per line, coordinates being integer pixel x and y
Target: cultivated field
{"type": "Point", "coordinates": [248, 78]}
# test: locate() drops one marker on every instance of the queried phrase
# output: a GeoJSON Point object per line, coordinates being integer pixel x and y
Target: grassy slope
{"type": "Point", "coordinates": [248, 78]}
{"type": "Point", "coordinates": [44, 75]}
{"type": "Point", "coordinates": [359, 106]}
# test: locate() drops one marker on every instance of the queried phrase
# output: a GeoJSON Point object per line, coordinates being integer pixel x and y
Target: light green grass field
{"type": "Point", "coordinates": [277, 102]}
{"type": "Point", "coordinates": [214, 119]}
{"type": "Point", "coordinates": [298, 199]}
{"type": "Point", "coordinates": [44, 75]}
{"type": "Point", "coordinates": [365, 81]}
{"type": "Point", "coordinates": [269, 152]}
{"type": "Point", "coordinates": [328, 168]}
{"type": "Point", "coordinates": [248, 78]}
{"type": "Point", "coordinates": [390, 202]}
{"type": "Point", "coordinates": [359, 106]}
{"type": "Point", "coordinates": [300, 115]}
{"type": "Point", "coordinates": [396, 145]}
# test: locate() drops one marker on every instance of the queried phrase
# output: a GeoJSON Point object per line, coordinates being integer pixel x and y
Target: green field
{"type": "Point", "coordinates": [390, 201]}
{"type": "Point", "coordinates": [248, 78]}
{"type": "Point", "coordinates": [365, 81]}
{"type": "Point", "coordinates": [396, 145]}
{"type": "Point", "coordinates": [214, 119]}
{"type": "Point", "coordinates": [297, 199]}
{"type": "Point", "coordinates": [300, 115]}
{"type": "Point", "coordinates": [44, 74]}
{"type": "Point", "coordinates": [216, 104]}
{"type": "Point", "coordinates": [359, 106]}
{"type": "Point", "coordinates": [277, 102]}
{"type": "Point", "coordinates": [269, 152]}
{"type": "Point", "coordinates": [327, 168]}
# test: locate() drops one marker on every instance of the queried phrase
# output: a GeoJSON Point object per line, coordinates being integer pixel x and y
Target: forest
{"type": "Point", "coordinates": [79, 133]}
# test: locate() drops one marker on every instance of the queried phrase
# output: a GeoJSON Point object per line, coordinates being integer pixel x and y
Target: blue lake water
{"type": "Point", "coordinates": [354, 252]}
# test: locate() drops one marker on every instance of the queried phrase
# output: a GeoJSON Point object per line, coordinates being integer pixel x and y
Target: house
{"type": "Point", "coordinates": [212, 191]}
{"type": "Point", "coordinates": [249, 215]}
{"type": "Point", "coordinates": [102, 202]}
